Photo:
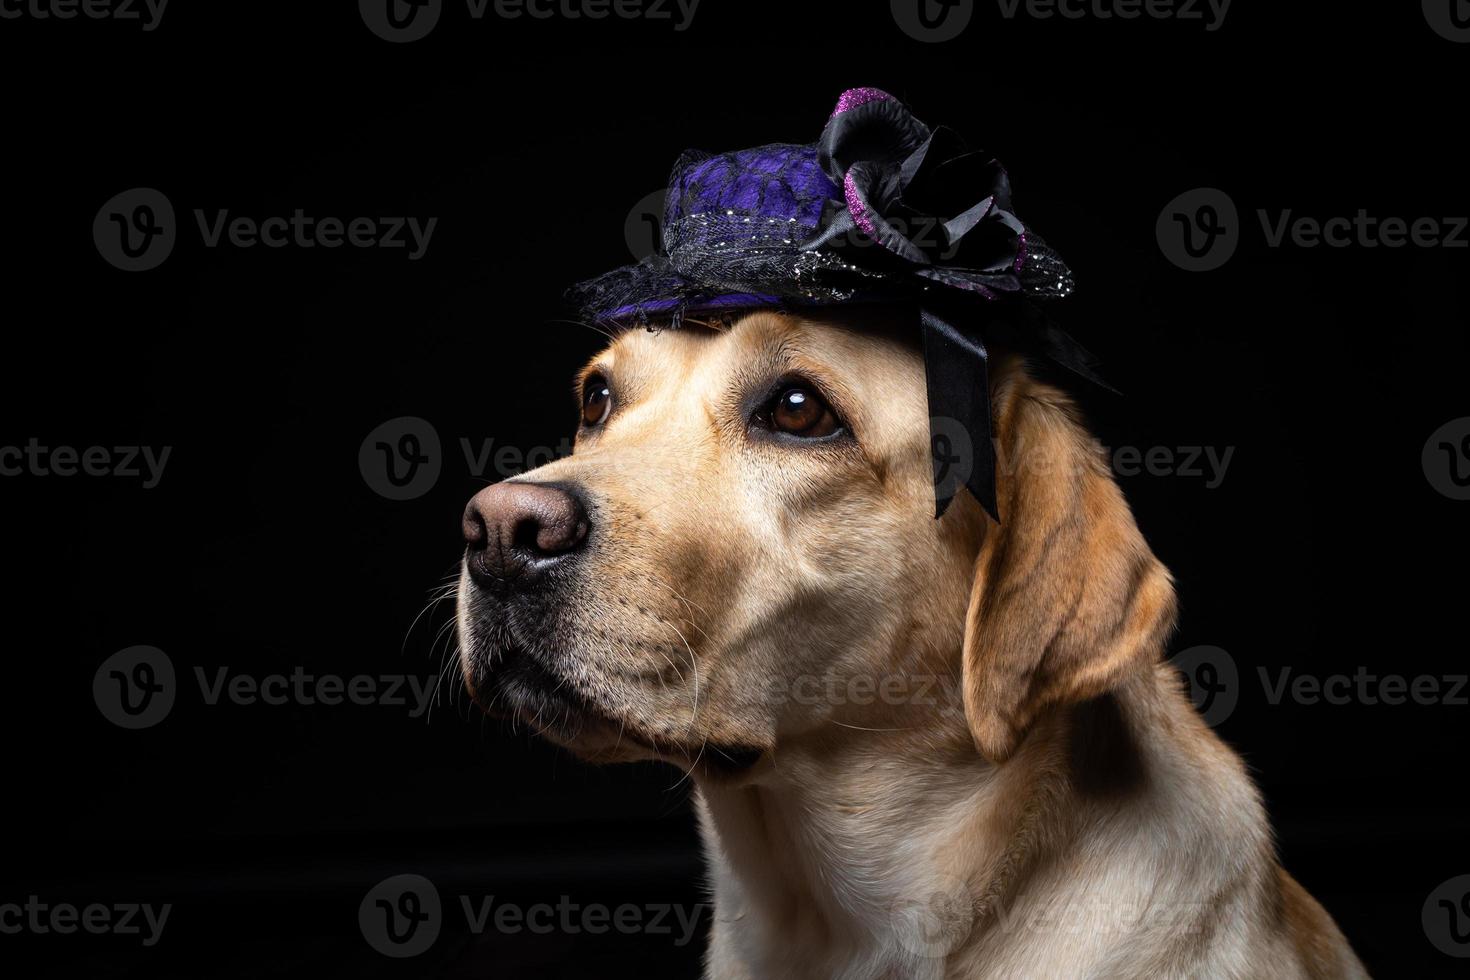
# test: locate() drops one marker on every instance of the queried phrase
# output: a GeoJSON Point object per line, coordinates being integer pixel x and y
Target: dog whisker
{"type": "Point", "coordinates": [861, 728]}
{"type": "Point", "coordinates": [688, 607]}
{"type": "Point", "coordinates": [590, 325]}
{"type": "Point", "coordinates": [694, 664]}
{"type": "Point", "coordinates": [689, 772]}
{"type": "Point", "coordinates": [437, 595]}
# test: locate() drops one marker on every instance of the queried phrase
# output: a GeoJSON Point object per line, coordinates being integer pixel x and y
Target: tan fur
{"type": "Point", "coordinates": [1067, 596]}
{"type": "Point", "coordinates": [1031, 795]}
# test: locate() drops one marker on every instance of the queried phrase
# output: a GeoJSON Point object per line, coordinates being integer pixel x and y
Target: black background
{"type": "Point", "coordinates": [1325, 548]}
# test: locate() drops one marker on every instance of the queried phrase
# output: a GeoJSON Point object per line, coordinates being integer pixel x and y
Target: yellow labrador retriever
{"type": "Point", "coordinates": [923, 748]}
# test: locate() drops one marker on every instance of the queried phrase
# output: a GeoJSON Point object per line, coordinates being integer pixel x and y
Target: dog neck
{"type": "Point", "coordinates": [837, 851]}
{"type": "Point", "coordinates": [892, 854]}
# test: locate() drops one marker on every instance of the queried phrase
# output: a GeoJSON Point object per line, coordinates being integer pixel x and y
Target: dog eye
{"type": "Point", "coordinates": [596, 401]}
{"type": "Point", "coordinates": [799, 411]}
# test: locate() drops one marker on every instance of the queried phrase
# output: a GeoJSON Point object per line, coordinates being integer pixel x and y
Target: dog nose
{"type": "Point", "coordinates": [513, 527]}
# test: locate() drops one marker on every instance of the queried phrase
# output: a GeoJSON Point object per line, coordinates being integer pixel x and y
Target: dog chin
{"type": "Point", "coordinates": [512, 684]}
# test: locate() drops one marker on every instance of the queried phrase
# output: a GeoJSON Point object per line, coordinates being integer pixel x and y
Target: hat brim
{"type": "Point", "coordinates": [654, 290]}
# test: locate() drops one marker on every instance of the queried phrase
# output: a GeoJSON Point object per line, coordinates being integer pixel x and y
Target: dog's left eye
{"type": "Point", "coordinates": [596, 401]}
{"type": "Point", "coordinates": [799, 410]}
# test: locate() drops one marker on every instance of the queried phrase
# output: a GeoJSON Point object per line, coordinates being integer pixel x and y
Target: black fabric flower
{"type": "Point", "coordinates": [934, 206]}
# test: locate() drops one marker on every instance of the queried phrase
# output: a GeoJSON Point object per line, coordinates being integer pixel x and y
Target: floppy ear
{"type": "Point", "coordinates": [1067, 599]}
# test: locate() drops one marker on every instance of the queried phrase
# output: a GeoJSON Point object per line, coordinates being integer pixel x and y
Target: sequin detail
{"type": "Point", "coordinates": [858, 206]}
{"type": "Point", "coordinates": [855, 97]}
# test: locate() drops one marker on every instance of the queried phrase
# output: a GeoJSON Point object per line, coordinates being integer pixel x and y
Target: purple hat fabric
{"type": "Point", "coordinates": [880, 207]}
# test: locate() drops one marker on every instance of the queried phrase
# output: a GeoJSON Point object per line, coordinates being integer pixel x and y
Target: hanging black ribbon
{"type": "Point", "coordinates": [957, 368]}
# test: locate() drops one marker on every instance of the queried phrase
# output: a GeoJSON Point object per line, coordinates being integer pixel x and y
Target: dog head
{"type": "Point", "coordinates": [742, 550]}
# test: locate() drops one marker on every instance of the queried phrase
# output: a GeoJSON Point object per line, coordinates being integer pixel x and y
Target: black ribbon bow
{"type": "Point", "coordinates": [940, 216]}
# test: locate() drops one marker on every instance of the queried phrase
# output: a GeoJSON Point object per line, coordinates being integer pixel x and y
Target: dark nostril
{"type": "Point", "coordinates": [473, 526]}
{"type": "Point", "coordinates": [523, 538]}
{"type": "Point", "coordinates": [509, 526]}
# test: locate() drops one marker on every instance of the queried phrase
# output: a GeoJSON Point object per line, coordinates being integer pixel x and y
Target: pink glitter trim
{"type": "Point", "coordinates": [857, 206]}
{"type": "Point", "coordinates": [1020, 252]}
{"type": "Point", "coordinates": [855, 97]}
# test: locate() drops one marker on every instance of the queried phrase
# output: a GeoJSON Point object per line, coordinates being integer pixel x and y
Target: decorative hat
{"type": "Point", "coordinates": [880, 209]}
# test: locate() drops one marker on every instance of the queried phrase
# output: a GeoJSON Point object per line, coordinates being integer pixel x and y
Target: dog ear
{"type": "Point", "coordinates": [1068, 600]}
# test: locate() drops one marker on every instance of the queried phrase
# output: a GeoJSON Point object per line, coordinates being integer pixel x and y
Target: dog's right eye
{"type": "Point", "coordinates": [596, 401]}
{"type": "Point", "coordinates": [797, 411]}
